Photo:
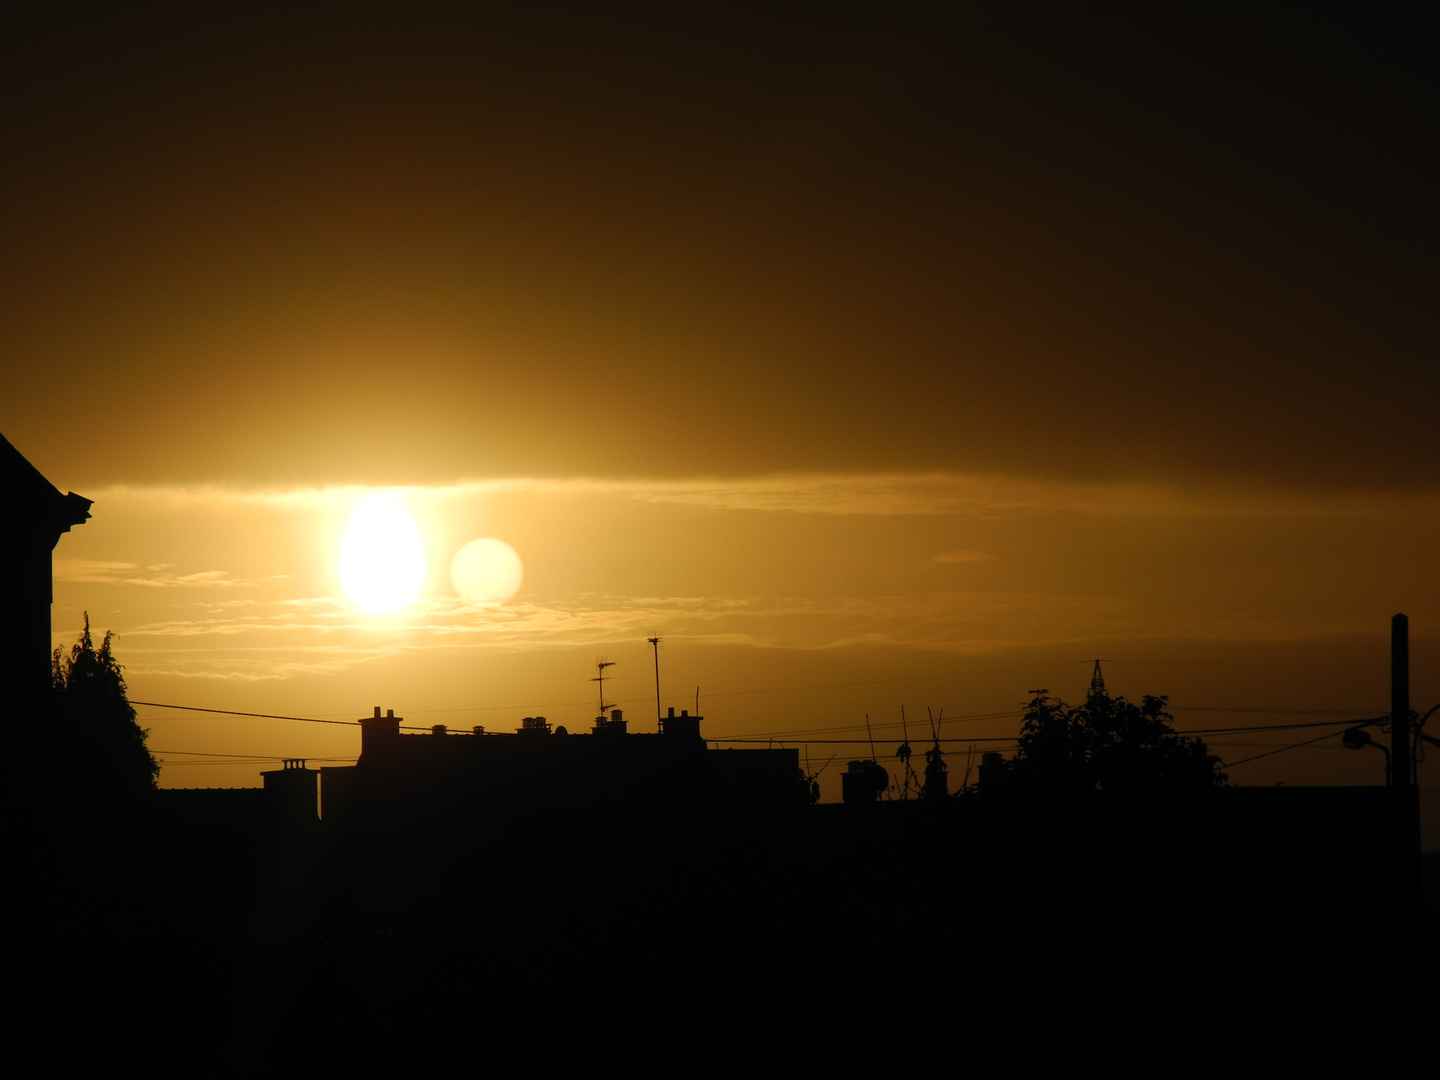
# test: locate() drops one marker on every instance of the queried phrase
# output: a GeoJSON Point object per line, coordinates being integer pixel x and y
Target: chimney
{"type": "Point", "coordinates": [378, 733]}
{"type": "Point", "coordinates": [292, 794]}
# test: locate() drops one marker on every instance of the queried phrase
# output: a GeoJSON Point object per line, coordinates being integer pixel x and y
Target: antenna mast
{"type": "Point", "coordinates": [937, 785]}
{"type": "Point", "coordinates": [600, 666]}
{"type": "Point", "coordinates": [655, 645]}
{"type": "Point", "coordinates": [1097, 685]}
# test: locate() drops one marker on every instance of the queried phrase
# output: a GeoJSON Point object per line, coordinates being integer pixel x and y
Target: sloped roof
{"type": "Point", "coordinates": [28, 497]}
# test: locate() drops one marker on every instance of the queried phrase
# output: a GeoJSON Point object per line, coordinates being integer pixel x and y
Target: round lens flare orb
{"type": "Point", "coordinates": [382, 555]}
{"type": "Point", "coordinates": [486, 570]}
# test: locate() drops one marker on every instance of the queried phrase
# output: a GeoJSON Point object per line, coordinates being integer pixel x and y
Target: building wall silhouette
{"type": "Point", "coordinates": [36, 515]}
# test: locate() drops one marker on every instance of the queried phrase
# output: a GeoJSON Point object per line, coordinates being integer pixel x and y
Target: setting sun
{"type": "Point", "coordinates": [488, 570]}
{"type": "Point", "coordinates": [382, 556]}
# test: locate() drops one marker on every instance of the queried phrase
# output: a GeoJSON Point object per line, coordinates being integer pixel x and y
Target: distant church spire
{"type": "Point", "coordinates": [1097, 686]}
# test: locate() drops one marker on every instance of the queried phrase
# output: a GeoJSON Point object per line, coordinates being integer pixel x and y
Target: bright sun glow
{"type": "Point", "coordinates": [382, 557]}
{"type": "Point", "coordinates": [486, 570]}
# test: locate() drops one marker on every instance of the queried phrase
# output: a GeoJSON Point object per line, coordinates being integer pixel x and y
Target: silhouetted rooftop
{"type": "Point", "coordinates": [29, 497]}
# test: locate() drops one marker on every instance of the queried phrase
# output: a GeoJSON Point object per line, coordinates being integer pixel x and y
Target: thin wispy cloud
{"type": "Point", "coordinates": [321, 635]}
{"type": "Point", "coordinates": [103, 572]}
{"type": "Point", "coordinates": [964, 556]}
{"type": "Point", "coordinates": [227, 583]}
{"type": "Point", "coordinates": [860, 494]}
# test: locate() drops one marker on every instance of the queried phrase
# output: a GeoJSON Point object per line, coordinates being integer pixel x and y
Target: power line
{"type": "Point", "coordinates": [1260, 728]}
{"type": "Point", "coordinates": [767, 690]}
{"type": "Point", "coordinates": [236, 712]}
{"type": "Point", "coordinates": [1252, 730]}
{"type": "Point", "coordinates": [1257, 663]}
{"type": "Point", "coordinates": [268, 716]}
{"type": "Point", "coordinates": [809, 733]}
{"type": "Point", "coordinates": [806, 733]}
{"type": "Point", "coordinates": [800, 733]}
{"type": "Point", "coordinates": [231, 762]}
{"type": "Point", "coordinates": [236, 762]}
{"type": "Point", "coordinates": [1256, 709]}
{"type": "Point", "coordinates": [1268, 753]}
{"type": "Point", "coordinates": [860, 682]}
{"type": "Point", "coordinates": [833, 686]}
{"type": "Point", "coordinates": [850, 742]}
{"type": "Point", "coordinates": [1251, 744]}
{"type": "Point", "coordinates": [257, 757]}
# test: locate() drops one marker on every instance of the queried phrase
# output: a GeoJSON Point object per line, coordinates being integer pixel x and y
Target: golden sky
{"type": "Point", "coordinates": [794, 603]}
{"type": "Point", "coordinates": [834, 348]}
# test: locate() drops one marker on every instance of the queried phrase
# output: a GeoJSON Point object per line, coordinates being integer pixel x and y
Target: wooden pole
{"type": "Point", "coordinates": [1402, 773]}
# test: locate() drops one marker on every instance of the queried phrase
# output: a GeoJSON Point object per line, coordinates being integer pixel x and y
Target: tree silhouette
{"type": "Point", "coordinates": [96, 740]}
{"type": "Point", "coordinates": [1107, 744]}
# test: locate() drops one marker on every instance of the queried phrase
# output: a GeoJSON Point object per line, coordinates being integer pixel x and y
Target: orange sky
{"type": "Point", "coordinates": [795, 603]}
{"type": "Point", "coordinates": [835, 348]}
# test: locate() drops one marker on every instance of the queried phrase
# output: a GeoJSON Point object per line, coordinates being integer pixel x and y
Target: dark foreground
{"type": "Point", "coordinates": [238, 938]}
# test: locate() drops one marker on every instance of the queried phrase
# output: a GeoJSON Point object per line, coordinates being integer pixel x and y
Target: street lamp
{"type": "Point", "coordinates": [1357, 738]}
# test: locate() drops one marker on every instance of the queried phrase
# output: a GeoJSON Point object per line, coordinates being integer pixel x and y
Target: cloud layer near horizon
{"type": "Point", "coordinates": [226, 583]}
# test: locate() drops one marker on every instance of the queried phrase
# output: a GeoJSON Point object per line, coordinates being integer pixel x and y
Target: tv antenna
{"type": "Point", "coordinates": [1097, 686]}
{"type": "Point", "coordinates": [902, 754]}
{"type": "Point", "coordinates": [600, 666]}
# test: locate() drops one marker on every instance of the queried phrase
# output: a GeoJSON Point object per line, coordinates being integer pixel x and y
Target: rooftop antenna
{"type": "Point", "coordinates": [600, 666]}
{"type": "Point", "coordinates": [1097, 685]}
{"type": "Point", "coordinates": [697, 701]}
{"type": "Point", "coordinates": [936, 783]}
{"type": "Point", "coordinates": [902, 753]}
{"type": "Point", "coordinates": [655, 645]}
{"type": "Point", "coordinates": [871, 736]}
{"type": "Point", "coordinates": [812, 780]}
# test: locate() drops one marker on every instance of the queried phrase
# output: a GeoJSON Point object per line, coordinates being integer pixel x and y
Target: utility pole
{"type": "Point", "coordinates": [1402, 773]}
{"type": "Point", "coordinates": [1402, 777]}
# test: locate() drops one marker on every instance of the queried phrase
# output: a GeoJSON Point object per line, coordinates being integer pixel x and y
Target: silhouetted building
{"type": "Point", "coordinates": [35, 515]}
{"type": "Point", "coordinates": [609, 772]}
